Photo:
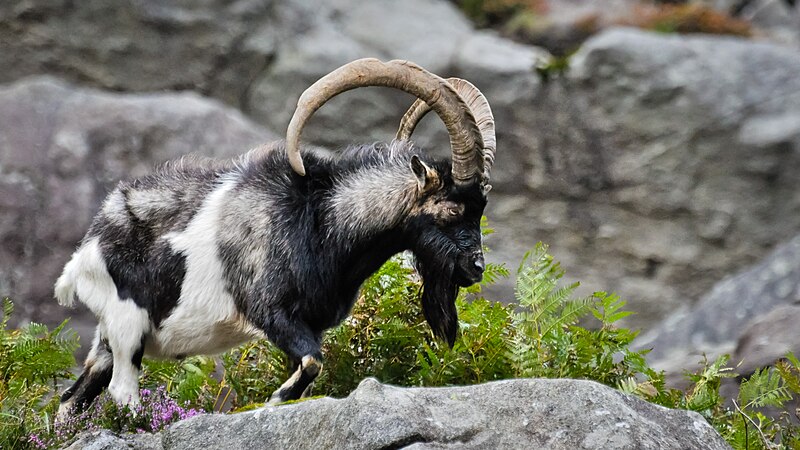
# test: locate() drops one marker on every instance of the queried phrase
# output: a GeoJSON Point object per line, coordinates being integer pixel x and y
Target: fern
{"type": "Point", "coordinates": [546, 312]}
{"type": "Point", "coordinates": [789, 370]}
{"type": "Point", "coordinates": [386, 336]}
{"type": "Point", "coordinates": [609, 308]}
{"type": "Point", "coordinates": [32, 359]}
{"type": "Point", "coordinates": [764, 388]}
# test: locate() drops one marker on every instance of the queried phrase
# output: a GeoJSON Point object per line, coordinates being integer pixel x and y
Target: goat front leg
{"type": "Point", "coordinates": [299, 384]}
{"type": "Point", "coordinates": [303, 348]}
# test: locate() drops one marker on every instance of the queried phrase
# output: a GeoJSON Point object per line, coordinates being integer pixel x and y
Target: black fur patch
{"type": "Point", "coordinates": [87, 387]}
{"type": "Point", "coordinates": [136, 359]}
{"type": "Point", "coordinates": [148, 273]}
{"type": "Point", "coordinates": [143, 267]}
{"type": "Point", "coordinates": [435, 262]}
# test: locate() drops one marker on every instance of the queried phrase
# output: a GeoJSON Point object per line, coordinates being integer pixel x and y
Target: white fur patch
{"type": "Point", "coordinates": [86, 276]}
{"type": "Point", "coordinates": [205, 319]}
{"type": "Point", "coordinates": [374, 199]}
{"type": "Point", "coordinates": [114, 208]}
{"type": "Point", "coordinates": [124, 327]}
{"type": "Point", "coordinates": [122, 322]}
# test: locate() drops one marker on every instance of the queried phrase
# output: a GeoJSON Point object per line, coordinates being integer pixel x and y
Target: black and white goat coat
{"type": "Point", "coordinates": [204, 255]}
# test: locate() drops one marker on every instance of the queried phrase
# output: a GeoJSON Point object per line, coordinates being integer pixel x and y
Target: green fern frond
{"type": "Point", "coordinates": [570, 312]}
{"type": "Point", "coordinates": [789, 370]}
{"type": "Point", "coordinates": [764, 388]}
{"type": "Point", "coordinates": [8, 309]}
{"type": "Point", "coordinates": [608, 308]}
{"type": "Point", "coordinates": [486, 230]}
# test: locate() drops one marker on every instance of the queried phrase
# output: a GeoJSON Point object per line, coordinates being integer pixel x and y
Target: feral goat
{"type": "Point", "coordinates": [204, 255]}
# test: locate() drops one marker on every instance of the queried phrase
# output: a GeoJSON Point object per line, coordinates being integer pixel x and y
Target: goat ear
{"type": "Point", "coordinates": [426, 176]}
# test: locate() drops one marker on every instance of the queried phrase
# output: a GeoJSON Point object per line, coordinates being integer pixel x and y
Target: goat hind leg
{"type": "Point", "coordinates": [95, 377]}
{"type": "Point", "coordinates": [127, 340]}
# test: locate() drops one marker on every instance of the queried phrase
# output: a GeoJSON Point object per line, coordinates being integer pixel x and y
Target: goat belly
{"type": "Point", "coordinates": [199, 336]}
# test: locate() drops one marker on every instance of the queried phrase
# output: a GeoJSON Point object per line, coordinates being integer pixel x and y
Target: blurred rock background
{"type": "Point", "coordinates": [655, 146]}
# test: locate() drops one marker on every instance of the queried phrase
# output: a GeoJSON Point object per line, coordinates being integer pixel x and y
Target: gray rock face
{"type": "Point", "coordinates": [751, 315]}
{"type": "Point", "coordinates": [768, 338]}
{"type": "Point", "coordinates": [256, 55]}
{"type": "Point", "coordinates": [655, 167]}
{"type": "Point", "coordinates": [659, 164]}
{"type": "Point", "coordinates": [546, 414]}
{"type": "Point", "coordinates": [61, 150]}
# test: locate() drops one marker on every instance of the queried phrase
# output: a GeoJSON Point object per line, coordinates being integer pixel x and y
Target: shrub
{"type": "Point", "coordinates": [496, 12]}
{"type": "Point", "coordinates": [156, 411]}
{"type": "Point", "coordinates": [542, 334]}
{"type": "Point", "coordinates": [689, 18]}
{"type": "Point", "coordinates": [32, 360]}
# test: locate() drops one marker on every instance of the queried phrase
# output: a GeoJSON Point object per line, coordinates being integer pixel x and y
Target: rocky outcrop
{"type": "Point", "coordinates": [513, 414]}
{"type": "Point", "coordinates": [63, 148]}
{"type": "Point", "coordinates": [659, 163]}
{"type": "Point", "coordinates": [654, 167]}
{"type": "Point", "coordinates": [255, 55]}
{"type": "Point", "coordinates": [751, 315]}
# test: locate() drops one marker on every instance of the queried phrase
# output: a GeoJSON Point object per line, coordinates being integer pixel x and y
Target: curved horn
{"type": "Point", "coordinates": [465, 137]}
{"type": "Point", "coordinates": [480, 109]}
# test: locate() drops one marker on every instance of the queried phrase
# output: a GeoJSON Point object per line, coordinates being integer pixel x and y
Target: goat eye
{"type": "Point", "coordinates": [453, 211]}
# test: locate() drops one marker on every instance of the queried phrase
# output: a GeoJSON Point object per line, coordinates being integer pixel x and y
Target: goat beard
{"type": "Point", "coordinates": [439, 293]}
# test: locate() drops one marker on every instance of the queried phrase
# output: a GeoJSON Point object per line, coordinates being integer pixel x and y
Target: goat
{"type": "Point", "coordinates": [204, 255]}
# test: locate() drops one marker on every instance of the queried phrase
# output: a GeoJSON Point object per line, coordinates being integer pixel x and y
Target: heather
{"type": "Point", "coordinates": [156, 411]}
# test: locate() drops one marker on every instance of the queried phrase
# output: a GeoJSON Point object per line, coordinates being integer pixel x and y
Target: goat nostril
{"type": "Point", "coordinates": [480, 265]}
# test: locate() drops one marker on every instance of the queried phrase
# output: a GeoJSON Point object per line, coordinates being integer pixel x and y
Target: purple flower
{"type": "Point", "coordinates": [37, 441]}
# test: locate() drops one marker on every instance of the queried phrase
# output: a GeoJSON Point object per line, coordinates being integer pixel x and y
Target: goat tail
{"type": "Point", "coordinates": [65, 288]}
{"type": "Point", "coordinates": [66, 285]}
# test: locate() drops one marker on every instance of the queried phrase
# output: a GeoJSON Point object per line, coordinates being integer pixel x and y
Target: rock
{"type": "Point", "coordinates": [654, 167]}
{"type": "Point", "coordinates": [63, 148]}
{"type": "Point", "coordinates": [778, 19]}
{"type": "Point", "coordinates": [751, 315]}
{"type": "Point", "coordinates": [141, 46]}
{"type": "Point", "coordinates": [768, 338]}
{"type": "Point", "coordinates": [658, 164]}
{"type": "Point", "coordinates": [106, 440]}
{"type": "Point", "coordinates": [532, 413]}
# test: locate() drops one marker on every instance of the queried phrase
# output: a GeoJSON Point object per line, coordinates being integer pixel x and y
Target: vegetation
{"type": "Point", "coordinates": [527, 21]}
{"type": "Point", "coordinates": [32, 359]}
{"type": "Point", "coordinates": [687, 18]}
{"type": "Point", "coordinates": [498, 12]}
{"type": "Point", "coordinates": [540, 335]}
